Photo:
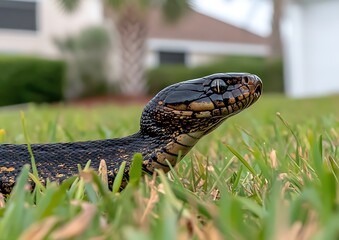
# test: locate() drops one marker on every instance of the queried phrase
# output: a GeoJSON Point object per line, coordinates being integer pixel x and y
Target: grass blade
{"type": "Point", "coordinates": [242, 160]}
{"type": "Point", "coordinates": [118, 178]}
{"type": "Point", "coordinates": [135, 171]}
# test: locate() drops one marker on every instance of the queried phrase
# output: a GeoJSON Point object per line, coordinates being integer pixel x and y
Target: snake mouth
{"type": "Point", "coordinates": [256, 93]}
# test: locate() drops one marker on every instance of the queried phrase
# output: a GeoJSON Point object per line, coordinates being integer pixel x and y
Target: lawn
{"type": "Point", "coordinates": [270, 172]}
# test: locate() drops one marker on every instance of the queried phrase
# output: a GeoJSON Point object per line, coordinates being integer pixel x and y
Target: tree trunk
{"type": "Point", "coordinates": [275, 38]}
{"type": "Point", "coordinates": [131, 25]}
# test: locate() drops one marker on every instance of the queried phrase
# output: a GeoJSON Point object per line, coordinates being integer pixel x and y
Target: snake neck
{"type": "Point", "coordinates": [173, 137]}
{"type": "Point", "coordinates": [166, 150]}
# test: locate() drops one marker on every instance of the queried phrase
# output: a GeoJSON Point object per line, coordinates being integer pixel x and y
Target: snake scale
{"type": "Point", "coordinates": [170, 125]}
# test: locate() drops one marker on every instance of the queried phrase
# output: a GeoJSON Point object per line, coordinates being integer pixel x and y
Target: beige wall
{"type": "Point", "coordinates": [201, 58]}
{"type": "Point", "coordinates": [52, 22]}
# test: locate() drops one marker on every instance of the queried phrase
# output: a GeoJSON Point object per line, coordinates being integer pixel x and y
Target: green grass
{"type": "Point", "coordinates": [261, 175]}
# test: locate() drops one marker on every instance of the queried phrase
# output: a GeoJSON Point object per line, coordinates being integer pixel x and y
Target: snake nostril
{"type": "Point", "coordinates": [245, 79]}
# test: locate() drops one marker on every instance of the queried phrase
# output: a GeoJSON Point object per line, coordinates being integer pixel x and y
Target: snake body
{"type": "Point", "coordinates": [170, 125]}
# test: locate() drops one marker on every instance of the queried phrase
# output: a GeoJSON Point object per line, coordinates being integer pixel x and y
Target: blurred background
{"type": "Point", "coordinates": [63, 50]}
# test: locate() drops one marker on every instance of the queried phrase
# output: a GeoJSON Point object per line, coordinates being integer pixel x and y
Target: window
{"type": "Point", "coordinates": [172, 57]}
{"type": "Point", "coordinates": [18, 15]}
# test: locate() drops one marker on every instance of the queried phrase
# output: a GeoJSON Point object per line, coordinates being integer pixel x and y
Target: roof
{"type": "Point", "coordinates": [199, 27]}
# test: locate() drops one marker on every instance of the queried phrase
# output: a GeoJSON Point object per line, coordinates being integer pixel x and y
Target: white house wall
{"type": "Point", "coordinates": [311, 37]}
{"type": "Point", "coordinates": [52, 22]}
{"type": "Point", "coordinates": [200, 52]}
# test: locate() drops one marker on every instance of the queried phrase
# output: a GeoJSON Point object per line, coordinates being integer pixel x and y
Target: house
{"type": "Point", "coordinates": [29, 27]}
{"type": "Point", "coordinates": [197, 39]}
{"type": "Point", "coordinates": [310, 37]}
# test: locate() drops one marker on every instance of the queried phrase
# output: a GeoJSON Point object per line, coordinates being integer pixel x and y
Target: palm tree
{"type": "Point", "coordinates": [275, 37]}
{"type": "Point", "coordinates": [130, 20]}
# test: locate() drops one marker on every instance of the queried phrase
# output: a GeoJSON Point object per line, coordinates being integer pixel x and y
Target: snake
{"type": "Point", "coordinates": [171, 123]}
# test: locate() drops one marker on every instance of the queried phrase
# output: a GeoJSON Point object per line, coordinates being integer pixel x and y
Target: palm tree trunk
{"type": "Point", "coordinates": [132, 29]}
{"type": "Point", "coordinates": [275, 38]}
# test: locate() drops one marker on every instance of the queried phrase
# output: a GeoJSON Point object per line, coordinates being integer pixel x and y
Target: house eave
{"type": "Point", "coordinates": [207, 47]}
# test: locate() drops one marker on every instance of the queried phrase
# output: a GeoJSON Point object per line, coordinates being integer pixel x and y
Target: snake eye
{"type": "Point", "coordinates": [218, 86]}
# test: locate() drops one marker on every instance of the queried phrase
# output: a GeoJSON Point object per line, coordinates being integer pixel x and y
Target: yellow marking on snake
{"type": "Point", "coordinates": [246, 94]}
{"type": "Point", "coordinates": [162, 156]}
{"type": "Point", "coordinates": [204, 114]}
{"type": "Point", "coordinates": [178, 106]}
{"type": "Point", "coordinates": [231, 100]}
{"type": "Point", "coordinates": [156, 165]}
{"type": "Point", "coordinates": [183, 113]}
{"type": "Point", "coordinates": [224, 110]}
{"type": "Point", "coordinates": [230, 109]}
{"type": "Point", "coordinates": [174, 148]}
{"type": "Point", "coordinates": [6, 169]}
{"type": "Point", "coordinates": [199, 106]}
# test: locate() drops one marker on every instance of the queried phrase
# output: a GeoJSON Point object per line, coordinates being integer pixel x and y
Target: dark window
{"type": "Point", "coordinates": [19, 15]}
{"type": "Point", "coordinates": [172, 57]}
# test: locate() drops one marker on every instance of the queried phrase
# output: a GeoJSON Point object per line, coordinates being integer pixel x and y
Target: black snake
{"type": "Point", "coordinates": [171, 124]}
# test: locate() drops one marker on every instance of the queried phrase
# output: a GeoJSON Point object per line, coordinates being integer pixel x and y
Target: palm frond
{"type": "Point", "coordinates": [116, 4]}
{"type": "Point", "coordinates": [174, 9]}
{"type": "Point", "coordinates": [68, 5]}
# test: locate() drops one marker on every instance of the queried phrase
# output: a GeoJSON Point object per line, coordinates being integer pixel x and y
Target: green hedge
{"type": "Point", "coordinates": [30, 79]}
{"type": "Point", "coordinates": [271, 72]}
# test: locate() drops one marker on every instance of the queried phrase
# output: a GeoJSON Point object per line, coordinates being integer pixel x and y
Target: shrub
{"type": "Point", "coordinates": [30, 79]}
{"type": "Point", "coordinates": [271, 72]}
{"type": "Point", "coordinates": [86, 55]}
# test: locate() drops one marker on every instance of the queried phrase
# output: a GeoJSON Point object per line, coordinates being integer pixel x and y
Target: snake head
{"type": "Point", "coordinates": [200, 105]}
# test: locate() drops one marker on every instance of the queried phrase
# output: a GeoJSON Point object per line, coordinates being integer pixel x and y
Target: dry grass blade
{"type": "Point", "coordinates": [273, 158]}
{"type": "Point", "coordinates": [298, 231]}
{"type": "Point", "coordinates": [103, 172]}
{"type": "Point", "coordinates": [2, 201]}
{"type": "Point", "coordinates": [211, 232]}
{"type": "Point", "coordinates": [86, 175]}
{"type": "Point", "coordinates": [78, 225]}
{"type": "Point", "coordinates": [153, 199]}
{"type": "Point", "coordinates": [39, 230]}
{"type": "Point", "coordinates": [98, 238]}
